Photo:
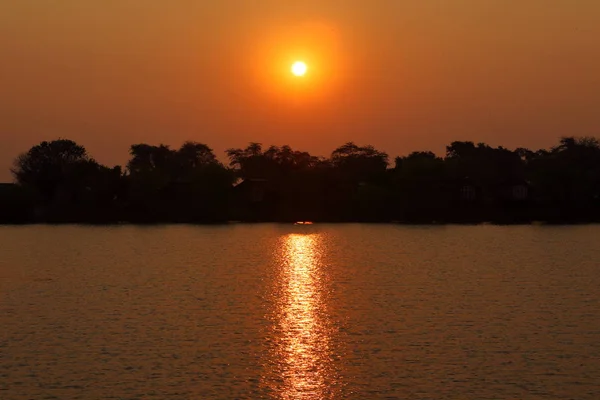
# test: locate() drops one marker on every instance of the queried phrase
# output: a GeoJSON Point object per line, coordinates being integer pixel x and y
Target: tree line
{"type": "Point", "coordinates": [58, 182]}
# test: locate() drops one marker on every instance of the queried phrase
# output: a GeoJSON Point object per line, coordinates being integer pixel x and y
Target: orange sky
{"type": "Point", "coordinates": [402, 75]}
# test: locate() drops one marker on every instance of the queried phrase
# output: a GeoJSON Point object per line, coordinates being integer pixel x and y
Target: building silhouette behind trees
{"type": "Point", "coordinates": [59, 182]}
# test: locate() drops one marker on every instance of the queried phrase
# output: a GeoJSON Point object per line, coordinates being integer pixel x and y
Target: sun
{"type": "Point", "coordinates": [299, 68]}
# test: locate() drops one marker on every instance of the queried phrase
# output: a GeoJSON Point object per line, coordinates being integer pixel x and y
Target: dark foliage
{"type": "Point", "coordinates": [59, 182]}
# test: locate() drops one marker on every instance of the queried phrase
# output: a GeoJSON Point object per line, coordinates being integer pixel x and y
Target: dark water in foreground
{"type": "Point", "coordinates": [313, 312]}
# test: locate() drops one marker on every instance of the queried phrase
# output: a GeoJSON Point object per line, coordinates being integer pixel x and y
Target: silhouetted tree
{"type": "Point", "coordinates": [67, 183]}
{"type": "Point", "coordinates": [58, 181]}
{"type": "Point", "coordinates": [359, 163]}
{"type": "Point", "coordinates": [49, 165]}
{"type": "Point", "coordinates": [289, 178]}
{"type": "Point", "coordinates": [567, 179]}
{"type": "Point", "coordinates": [486, 165]}
{"type": "Point", "coordinates": [418, 188]}
{"type": "Point", "coordinates": [273, 163]}
{"type": "Point", "coordinates": [358, 187]}
{"type": "Point", "coordinates": [188, 184]}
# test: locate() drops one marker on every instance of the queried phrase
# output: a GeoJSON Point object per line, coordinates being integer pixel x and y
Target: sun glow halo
{"type": "Point", "coordinates": [299, 68]}
{"type": "Point", "coordinates": [302, 64]}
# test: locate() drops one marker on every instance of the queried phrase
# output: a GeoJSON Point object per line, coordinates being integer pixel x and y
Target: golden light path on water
{"type": "Point", "coordinates": [304, 334]}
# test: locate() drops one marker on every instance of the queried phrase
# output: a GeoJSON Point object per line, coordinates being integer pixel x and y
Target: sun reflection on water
{"type": "Point", "coordinates": [303, 332]}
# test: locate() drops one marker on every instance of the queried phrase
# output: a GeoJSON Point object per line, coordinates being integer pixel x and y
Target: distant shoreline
{"type": "Point", "coordinates": [315, 224]}
{"type": "Point", "coordinates": [59, 182]}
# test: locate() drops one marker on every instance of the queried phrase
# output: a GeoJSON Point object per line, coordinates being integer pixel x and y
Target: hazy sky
{"type": "Point", "coordinates": [402, 75]}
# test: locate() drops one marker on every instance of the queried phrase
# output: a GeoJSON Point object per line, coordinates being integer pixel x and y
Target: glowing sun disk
{"type": "Point", "coordinates": [299, 68]}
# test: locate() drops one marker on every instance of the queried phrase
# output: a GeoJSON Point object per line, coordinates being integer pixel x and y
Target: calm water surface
{"type": "Point", "coordinates": [307, 312]}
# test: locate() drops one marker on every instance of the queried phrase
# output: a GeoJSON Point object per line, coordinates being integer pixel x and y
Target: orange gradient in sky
{"type": "Point", "coordinates": [400, 75]}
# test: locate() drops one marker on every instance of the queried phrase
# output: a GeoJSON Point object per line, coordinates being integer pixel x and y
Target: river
{"type": "Point", "coordinates": [273, 311]}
